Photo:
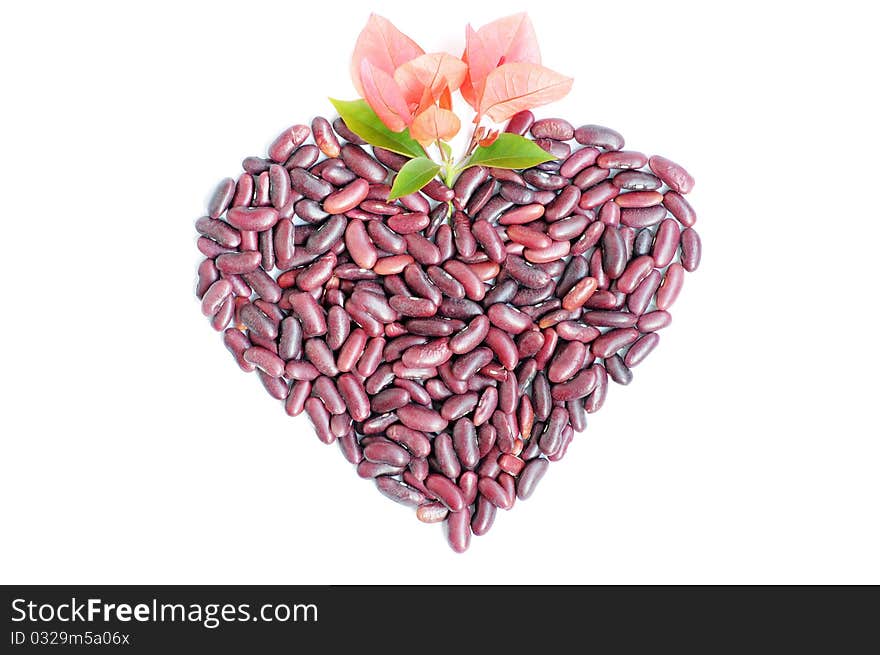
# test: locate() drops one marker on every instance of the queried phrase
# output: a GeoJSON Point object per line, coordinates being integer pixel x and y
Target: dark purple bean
{"type": "Point", "coordinates": [671, 286]}
{"type": "Point", "coordinates": [455, 407]}
{"type": "Point", "coordinates": [324, 389]}
{"type": "Point", "coordinates": [543, 180]}
{"type": "Point", "coordinates": [551, 439]}
{"type": "Point", "coordinates": [317, 352]}
{"type": "Point", "coordinates": [517, 193]}
{"type": "Point", "coordinates": [597, 135]}
{"type": "Point", "coordinates": [311, 315]}
{"type": "Point", "coordinates": [446, 491]}
{"type": "Point", "coordinates": [358, 161]}
{"type": "Point", "coordinates": [255, 219]}
{"type": "Point", "coordinates": [385, 238]}
{"type": "Point", "coordinates": [467, 365]}
{"type": "Point", "coordinates": [675, 177]}
{"type": "Point", "coordinates": [484, 517]}
{"type": "Point", "coordinates": [636, 271]}
{"type": "Point", "coordinates": [480, 197]}
{"type": "Point", "coordinates": [493, 209]}
{"type": "Point", "coordinates": [324, 238]}
{"type": "Point", "coordinates": [613, 341]}
{"type": "Point", "coordinates": [421, 418]}
{"type": "Point", "coordinates": [313, 188]}
{"type": "Point", "coordinates": [466, 184]}
{"type": "Point", "coordinates": [520, 122]}
{"type": "Point", "coordinates": [613, 253]}
{"type": "Point", "coordinates": [564, 204]}
{"type": "Point", "coordinates": [589, 177]}
{"type": "Point", "coordinates": [219, 231]}
{"type": "Point", "coordinates": [530, 477]}
{"type": "Point", "coordinates": [552, 128]}
{"type": "Point", "coordinates": [579, 386]}
{"type": "Point", "coordinates": [208, 274]}
{"type": "Point", "coordinates": [640, 298]}
{"type": "Point", "coordinates": [526, 274]}
{"type": "Point", "coordinates": [566, 362]}
{"type": "Point", "coordinates": [351, 350]}
{"type": "Point", "coordinates": [391, 160]}
{"type": "Point", "coordinates": [617, 370]}
{"type": "Point", "coordinates": [577, 415]}
{"type": "Point", "coordinates": [386, 453]}
{"type": "Point", "coordinates": [665, 243]}
{"type": "Point", "coordinates": [691, 249]}
{"type": "Point", "coordinates": [678, 207]}
{"type": "Point", "coordinates": [458, 530]}
{"type": "Point", "coordinates": [460, 308]}
{"type": "Point", "coordinates": [310, 211]}
{"type": "Point", "coordinates": [640, 217]}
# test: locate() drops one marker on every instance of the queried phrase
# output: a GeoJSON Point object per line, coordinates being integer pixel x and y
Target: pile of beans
{"type": "Point", "coordinates": [451, 359]}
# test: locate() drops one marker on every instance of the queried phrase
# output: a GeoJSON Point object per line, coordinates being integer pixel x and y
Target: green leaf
{"type": "Point", "coordinates": [362, 120]}
{"type": "Point", "coordinates": [446, 149]}
{"type": "Point", "coordinates": [510, 151]}
{"type": "Point", "coordinates": [415, 174]}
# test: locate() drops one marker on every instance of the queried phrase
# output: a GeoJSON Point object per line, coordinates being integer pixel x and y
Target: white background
{"type": "Point", "coordinates": [134, 451]}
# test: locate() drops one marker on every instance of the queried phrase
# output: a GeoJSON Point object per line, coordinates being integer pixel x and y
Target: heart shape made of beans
{"type": "Point", "coordinates": [451, 342]}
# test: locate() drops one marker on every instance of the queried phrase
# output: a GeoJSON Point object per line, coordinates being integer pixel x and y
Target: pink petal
{"type": "Point", "coordinates": [507, 40]}
{"type": "Point", "coordinates": [384, 46]}
{"type": "Point", "coordinates": [512, 88]}
{"type": "Point", "coordinates": [434, 123]}
{"type": "Point", "coordinates": [433, 71]}
{"type": "Point", "coordinates": [385, 97]}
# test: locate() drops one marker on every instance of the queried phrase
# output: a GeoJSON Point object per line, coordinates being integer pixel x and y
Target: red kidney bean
{"type": "Point", "coordinates": [446, 491]}
{"type": "Point", "coordinates": [480, 197]}
{"type": "Point", "coordinates": [636, 271]}
{"type": "Point", "coordinates": [578, 161]}
{"type": "Point", "coordinates": [458, 530]}
{"type": "Point", "coordinates": [556, 148]}
{"type": "Point", "coordinates": [597, 195]}
{"type": "Point", "coordinates": [299, 370]}
{"type": "Point", "coordinates": [579, 294]}
{"type": "Point", "coordinates": [275, 387]}
{"type": "Point", "coordinates": [588, 178]}
{"type": "Point", "coordinates": [215, 296]}
{"type": "Point", "coordinates": [310, 314]}
{"type": "Point", "coordinates": [414, 440]}
{"type": "Point", "coordinates": [207, 274]}
{"type": "Point", "coordinates": [637, 181]}
{"type": "Point", "coordinates": [356, 400]}
{"type": "Point", "coordinates": [552, 128]}
{"type": "Point", "coordinates": [665, 243]}
{"type": "Point", "coordinates": [613, 253]}
{"type": "Point", "coordinates": [675, 177]}
{"type": "Point", "coordinates": [359, 245]}
{"type": "Point", "coordinates": [508, 318]}
{"type": "Point", "coordinates": [317, 352]}
{"type": "Point", "coordinates": [313, 188]}
{"type": "Point", "coordinates": [680, 208]}
{"type": "Point", "coordinates": [421, 418]}
{"type": "Point", "coordinates": [551, 439]}
{"type": "Point", "coordinates": [654, 321]}
{"type": "Point", "coordinates": [566, 362]}
{"type": "Point", "coordinates": [486, 406]}
{"type": "Point", "coordinates": [612, 319]}
{"type": "Point", "coordinates": [460, 308]}
{"type": "Point", "coordinates": [422, 250]}
{"type": "Point", "coordinates": [521, 215]}
{"type": "Point", "coordinates": [613, 341]}
{"type": "Point", "coordinates": [399, 492]}
{"type": "Point", "coordinates": [640, 298]}
{"type": "Point", "coordinates": [432, 513]}
{"type": "Point", "coordinates": [296, 397]}
{"type": "Point", "coordinates": [579, 386]}
{"type": "Point", "coordinates": [597, 135]}
{"type": "Point", "coordinates": [362, 164]}
{"type": "Point", "coordinates": [288, 141]}
{"type": "Point", "coordinates": [433, 353]}
{"type": "Point", "coordinates": [691, 249]}
{"type": "Point", "coordinates": [386, 453]}
{"type": "Point", "coordinates": [622, 159]}
{"type": "Point", "coordinates": [466, 184]}
{"type": "Point", "coordinates": [642, 216]}
{"type": "Point", "coordinates": [254, 219]}
{"type": "Point", "coordinates": [389, 400]}
{"type": "Point", "coordinates": [368, 470]}
{"type": "Point", "coordinates": [265, 360]}
{"type": "Point", "coordinates": [438, 191]}
{"type": "Point", "coordinates": [503, 348]}
{"type": "Point", "coordinates": [236, 342]}
{"type": "Point", "coordinates": [518, 194]}
{"type": "Point", "coordinates": [221, 198]}
{"type": "Point", "coordinates": [347, 198]}
{"type": "Point", "coordinates": [392, 265]}
{"type": "Point", "coordinates": [639, 199]}
{"type": "Point", "coordinates": [446, 459]}
{"type": "Point", "coordinates": [219, 231]}
{"type": "Point", "coordinates": [455, 407]}
{"type": "Point", "coordinates": [526, 274]}
{"type": "Point", "coordinates": [520, 122]}
{"type": "Point", "coordinates": [589, 239]}
{"type": "Point", "coordinates": [237, 263]}
{"type": "Point", "coordinates": [351, 350]}
{"type": "Point", "coordinates": [671, 286]}
{"type": "Point", "coordinates": [641, 349]}
{"type": "Point", "coordinates": [329, 233]}
{"type": "Point", "coordinates": [320, 419]}
{"type": "Point", "coordinates": [563, 204]}
{"type": "Point", "coordinates": [484, 517]}
{"type": "Point", "coordinates": [323, 388]}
